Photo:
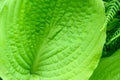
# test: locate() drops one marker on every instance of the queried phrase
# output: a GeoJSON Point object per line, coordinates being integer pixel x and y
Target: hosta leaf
{"type": "Point", "coordinates": [109, 68]}
{"type": "Point", "coordinates": [50, 39]}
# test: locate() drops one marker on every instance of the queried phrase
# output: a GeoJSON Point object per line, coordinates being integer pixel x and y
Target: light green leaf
{"type": "Point", "coordinates": [50, 39]}
{"type": "Point", "coordinates": [108, 68]}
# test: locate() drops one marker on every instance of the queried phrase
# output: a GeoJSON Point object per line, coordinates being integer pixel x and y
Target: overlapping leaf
{"type": "Point", "coordinates": [108, 69]}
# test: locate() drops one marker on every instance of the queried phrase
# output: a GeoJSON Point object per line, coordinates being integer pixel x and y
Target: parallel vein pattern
{"type": "Point", "coordinates": [51, 39]}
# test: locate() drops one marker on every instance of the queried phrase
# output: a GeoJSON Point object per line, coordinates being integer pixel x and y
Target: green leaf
{"type": "Point", "coordinates": [50, 39]}
{"type": "Point", "coordinates": [108, 68]}
{"type": "Point", "coordinates": [112, 9]}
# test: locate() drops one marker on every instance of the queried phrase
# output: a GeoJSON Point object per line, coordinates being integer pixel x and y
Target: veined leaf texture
{"type": "Point", "coordinates": [50, 39]}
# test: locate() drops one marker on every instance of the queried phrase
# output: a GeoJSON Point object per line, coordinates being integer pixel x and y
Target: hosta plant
{"type": "Point", "coordinates": [50, 39]}
{"type": "Point", "coordinates": [59, 39]}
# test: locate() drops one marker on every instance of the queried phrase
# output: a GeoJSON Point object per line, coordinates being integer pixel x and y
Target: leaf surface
{"type": "Point", "coordinates": [108, 68]}
{"type": "Point", "coordinates": [50, 39]}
